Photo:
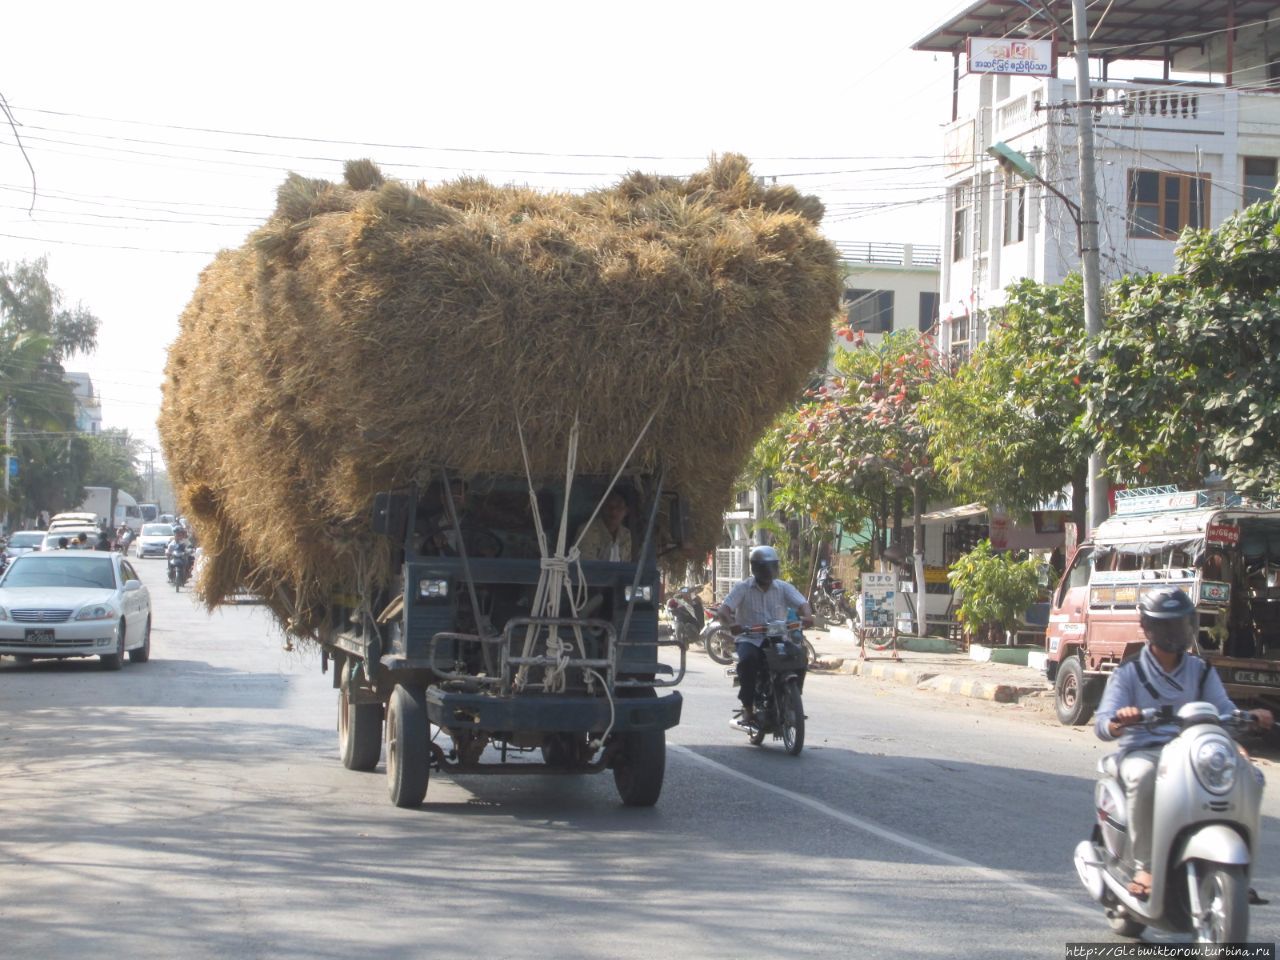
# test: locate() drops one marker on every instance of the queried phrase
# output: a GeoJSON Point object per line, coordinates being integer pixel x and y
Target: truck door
{"type": "Point", "coordinates": [1069, 613]}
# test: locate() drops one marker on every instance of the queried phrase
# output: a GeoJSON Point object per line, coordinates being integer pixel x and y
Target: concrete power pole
{"type": "Point", "coordinates": [1098, 500]}
{"type": "Point", "coordinates": [8, 455]}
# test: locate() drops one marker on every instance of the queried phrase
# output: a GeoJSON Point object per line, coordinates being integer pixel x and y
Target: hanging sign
{"type": "Point", "coordinates": [1027, 58]}
{"type": "Point", "coordinates": [1224, 534]}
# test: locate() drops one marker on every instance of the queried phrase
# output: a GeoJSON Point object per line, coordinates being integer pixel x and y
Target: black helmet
{"type": "Point", "coordinates": [1167, 618]}
{"type": "Point", "coordinates": [764, 565]}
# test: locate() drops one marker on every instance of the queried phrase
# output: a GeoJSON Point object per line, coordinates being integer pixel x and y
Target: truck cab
{"type": "Point", "coordinates": [499, 632]}
{"type": "Point", "coordinates": [1222, 550]}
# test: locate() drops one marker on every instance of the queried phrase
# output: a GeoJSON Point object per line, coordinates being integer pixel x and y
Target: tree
{"type": "Point", "coordinates": [1188, 377]}
{"type": "Point", "coordinates": [113, 461]}
{"type": "Point", "coordinates": [995, 588]}
{"type": "Point", "coordinates": [29, 303]}
{"type": "Point", "coordinates": [1009, 428]}
{"type": "Point", "coordinates": [860, 437]}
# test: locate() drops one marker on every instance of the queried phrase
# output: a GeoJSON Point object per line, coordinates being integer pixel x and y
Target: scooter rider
{"type": "Point", "coordinates": [178, 554]}
{"type": "Point", "coordinates": [754, 602]}
{"type": "Point", "coordinates": [1163, 674]}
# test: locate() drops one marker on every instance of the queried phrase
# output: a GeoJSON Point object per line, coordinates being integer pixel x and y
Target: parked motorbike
{"type": "Point", "coordinates": [778, 707]}
{"type": "Point", "coordinates": [1204, 831]}
{"type": "Point", "coordinates": [180, 563]}
{"type": "Point", "coordinates": [685, 606]}
{"type": "Point", "coordinates": [830, 599]}
{"type": "Point", "coordinates": [716, 637]}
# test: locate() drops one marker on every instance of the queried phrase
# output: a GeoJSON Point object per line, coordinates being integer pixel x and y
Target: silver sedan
{"type": "Point", "coordinates": [75, 604]}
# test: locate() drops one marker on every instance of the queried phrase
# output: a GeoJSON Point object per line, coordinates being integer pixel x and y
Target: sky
{"type": "Point", "coordinates": [158, 132]}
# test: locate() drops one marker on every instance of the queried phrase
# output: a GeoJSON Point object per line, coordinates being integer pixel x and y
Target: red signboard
{"type": "Point", "coordinates": [1225, 534]}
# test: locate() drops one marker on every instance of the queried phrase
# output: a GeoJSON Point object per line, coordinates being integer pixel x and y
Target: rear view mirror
{"type": "Point", "coordinates": [390, 514]}
{"type": "Point", "coordinates": [681, 523]}
{"type": "Point", "coordinates": [131, 585]}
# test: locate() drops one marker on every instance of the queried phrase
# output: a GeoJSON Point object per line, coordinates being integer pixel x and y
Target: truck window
{"type": "Point", "coordinates": [1078, 575]}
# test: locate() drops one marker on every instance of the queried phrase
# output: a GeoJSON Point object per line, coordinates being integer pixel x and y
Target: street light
{"type": "Point", "coordinates": [1013, 162]}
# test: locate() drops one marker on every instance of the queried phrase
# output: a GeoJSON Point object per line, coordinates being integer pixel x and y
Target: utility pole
{"type": "Point", "coordinates": [8, 456]}
{"type": "Point", "coordinates": [1098, 500]}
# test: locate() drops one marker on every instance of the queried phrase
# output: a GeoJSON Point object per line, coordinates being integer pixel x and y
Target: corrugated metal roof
{"type": "Point", "coordinates": [1120, 29]}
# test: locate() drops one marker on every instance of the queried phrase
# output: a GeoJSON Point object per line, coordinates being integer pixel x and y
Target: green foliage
{"type": "Point", "coordinates": [1188, 376]}
{"type": "Point", "coordinates": [113, 461]}
{"type": "Point", "coordinates": [29, 303]}
{"type": "Point", "coordinates": [996, 588]}
{"type": "Point", "coordinates": [1008, 427]}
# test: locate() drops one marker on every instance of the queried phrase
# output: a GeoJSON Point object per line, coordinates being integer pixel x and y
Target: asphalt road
{"type": "Point", "coordinates": [195, 807]}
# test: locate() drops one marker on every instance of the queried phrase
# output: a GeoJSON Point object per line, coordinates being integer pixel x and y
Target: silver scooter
{"type": "Point", "coordinates": [1204, 832]}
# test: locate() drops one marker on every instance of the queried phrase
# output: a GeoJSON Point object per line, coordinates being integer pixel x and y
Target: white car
{"type": "Point", "coordinates": [24, 541]}
{"type": "Point", "coordinates": [153, 541]}
{"type": "Point", "coordinates": [75, 604]}
{"type": "Point", "coordinates": [53, 539]}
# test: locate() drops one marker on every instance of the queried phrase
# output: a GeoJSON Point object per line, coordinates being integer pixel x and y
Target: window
{"type": "Point", "coordinates": [870, 311]}
{"type": "Point", "coordinates": [1259, 179]}
{"type": "Point", "coordinates": [963, 198]}
{"type": "Point", "coordinates": [1015, 209]}
{"type": "Point", "coordinates": [1162, 205]}
{"type": "Point", "coordinates": [960, 333]}
{"type": "Point", "coordinates": [928, 311]}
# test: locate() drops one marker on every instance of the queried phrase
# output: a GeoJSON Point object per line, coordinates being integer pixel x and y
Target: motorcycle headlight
{"type": "Point", "coordinates": [98, 611]}
{"type": "Point", "coordinates": [1214, 762]}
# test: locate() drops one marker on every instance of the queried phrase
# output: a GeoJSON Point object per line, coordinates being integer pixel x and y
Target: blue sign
{"type": "Point", "coordinates": [13, 466]}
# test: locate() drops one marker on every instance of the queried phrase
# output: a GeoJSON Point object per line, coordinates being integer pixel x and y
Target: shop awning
{"type": "Point", "coordinates": [952, 514]}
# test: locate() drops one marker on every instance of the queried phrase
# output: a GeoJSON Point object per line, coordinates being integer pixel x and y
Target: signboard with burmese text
{"type": "Point", "coordinates": [1027, 58]}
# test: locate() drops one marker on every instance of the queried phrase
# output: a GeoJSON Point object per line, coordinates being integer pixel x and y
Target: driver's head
{"type": "Point", "coordinates": [764, 565]}
{"type": "Point", "coordinates": [1168, 619]}
{"type": "Point", "coordinates": [458, 489]}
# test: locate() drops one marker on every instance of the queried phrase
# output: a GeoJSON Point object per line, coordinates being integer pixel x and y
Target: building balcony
{"type": "Point", "coordinates": [890, 254]}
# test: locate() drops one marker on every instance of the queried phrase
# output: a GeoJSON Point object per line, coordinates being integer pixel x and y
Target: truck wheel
{"type": "Point", "coordinates": [408, 746]}
{"type": "Point", "coordinates": [359, 732]}
{"type": "Point", "coordinates": [641, 763]}
{"type": "Point", "coordinates": [1074, 697]}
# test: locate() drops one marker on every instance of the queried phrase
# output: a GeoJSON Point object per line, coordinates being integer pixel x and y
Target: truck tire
{"type": "Point", "coordinates": [1074, 697]}
{"type": "Point", "coordinates": [359, 732]}
{"type": "Point", "coordinates": [641, 763]}
{"type": "Point", "coordinates": [408, 746]}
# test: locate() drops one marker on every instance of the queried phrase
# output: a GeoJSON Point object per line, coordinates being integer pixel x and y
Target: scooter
{"type": "Point", "coordinates": [779, 709]}
{"type": "Point", "coordinates": [716, 637]}
{"type": "Point", "coordinates": [686, 612]}
{"type": "Point", "coordinates": [830, 600]}
{"type": "Point", "coordinates": [1204, 832]}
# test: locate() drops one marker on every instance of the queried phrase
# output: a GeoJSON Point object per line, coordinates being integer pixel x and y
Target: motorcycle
{"type": "Point", "coordinates": [686, 612]}
{"type": "Point", "coordinates": [1204, 830]}
{"type": "Point", "coordinates": [778, 708]}
{"type": "Point", "coordinates": [830, 599]}
{"type": "Point", "coordinates": [716, 637]}
{"type": "Point", "coordinates": [180, 563]}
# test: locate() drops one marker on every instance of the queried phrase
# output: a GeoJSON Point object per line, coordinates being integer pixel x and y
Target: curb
{"type": "Point", "coordinates": [894, 673]}
{"type": "Point", "coordinates": [978, 689]}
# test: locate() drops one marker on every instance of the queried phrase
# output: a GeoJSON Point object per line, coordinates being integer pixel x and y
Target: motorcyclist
{"type": "Point", "coordinates": [178, 554]}
{"type": "Point", "coordinates": [754, 602]}
{"type": "Point", "coordinates": [1163, 674]}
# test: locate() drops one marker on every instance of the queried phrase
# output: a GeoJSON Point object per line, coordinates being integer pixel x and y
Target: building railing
{"type": "Point", "coordinates": [899, 254]}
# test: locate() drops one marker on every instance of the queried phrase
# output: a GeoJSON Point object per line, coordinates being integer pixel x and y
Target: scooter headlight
{"type": "Point", "coordinates": [1214, 761]}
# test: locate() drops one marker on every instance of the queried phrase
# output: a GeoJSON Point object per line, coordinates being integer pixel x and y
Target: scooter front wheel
{"type": "Point", "coordinates": [1224, 903]}
{"type": "Point", "coordinates": [720, 646]}
{"type": "Point", "coordinates": [1123, 926]}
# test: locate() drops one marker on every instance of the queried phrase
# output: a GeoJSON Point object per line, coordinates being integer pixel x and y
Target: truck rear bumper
{"type": "Point", "coordinates": [551, 714]}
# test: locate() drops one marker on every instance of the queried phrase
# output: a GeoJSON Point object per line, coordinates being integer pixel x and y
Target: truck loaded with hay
{"type": "Point", "coordinates": [396, 411]}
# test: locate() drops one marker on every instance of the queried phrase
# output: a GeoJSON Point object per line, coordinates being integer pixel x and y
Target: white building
{"type": "Point", "coordinates": [1185, 147]}
{"type": "Point", "coordinates": [890, 286]}
{"type": "Point", "coordinates": [88, 404]}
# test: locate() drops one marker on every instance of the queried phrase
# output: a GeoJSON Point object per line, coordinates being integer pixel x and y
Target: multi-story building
{"type": "Point", "coordinates": [1184, 148]}
{"type": "Point", "coordinates": [890, 286]}
{"type": "Point", "coordinates": [88, 404]}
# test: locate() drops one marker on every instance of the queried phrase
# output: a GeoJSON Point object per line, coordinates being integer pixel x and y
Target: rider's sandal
{"type": "Point", "coordinates": [1140, 889]}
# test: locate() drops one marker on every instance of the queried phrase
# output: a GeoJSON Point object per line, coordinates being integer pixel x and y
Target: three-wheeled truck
{"type": "Point", "coordinates": [463, 644]}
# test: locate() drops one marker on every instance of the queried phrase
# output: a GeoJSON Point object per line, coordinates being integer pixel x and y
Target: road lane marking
{"type": "Point", "coordinates": [884, 833]}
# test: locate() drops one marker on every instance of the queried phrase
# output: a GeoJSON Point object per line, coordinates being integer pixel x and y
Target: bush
{"type": "Point", "coordinates": [996, 588]}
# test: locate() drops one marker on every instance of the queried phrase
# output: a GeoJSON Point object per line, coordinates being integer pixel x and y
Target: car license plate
{"type": "Point", "coordinates": [1264, 678]}
{"type": "Point", "coordinates": [39, 636]}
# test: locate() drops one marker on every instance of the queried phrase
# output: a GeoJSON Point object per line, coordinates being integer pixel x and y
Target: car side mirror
{"type": "Point", "coordinates": [131, 585]}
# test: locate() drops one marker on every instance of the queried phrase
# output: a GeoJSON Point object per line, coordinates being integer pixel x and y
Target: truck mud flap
{"type": "Point", "coordinates": [550, 714]}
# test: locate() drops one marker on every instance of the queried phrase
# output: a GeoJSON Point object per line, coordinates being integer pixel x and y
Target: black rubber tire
{"type": "Point", "coordinates": [114, 661]}
{"type": "Point", "coordinates": [143, 653]}
{"type": "Point", "coordinates": [408, 746]}
{"type": "Point", "coordinates": [811, 652]}
{"type": "Point", "coordinates": [756, 736]}
{"type": "Point", "coordinates": [359, 733]}
{"type": "Point", "coordinates": [825, 609]}
{"type": "Point", "coordinates": [1228, 883]}
{"type": "Point", "coordinates": [1072, 696]}
{"type": "Point", "coordinates": [641, 763]}
{"type": "Point", "coordinates": [1125, 926]}
{"type": "Point", "coordinates": [791, 715]}
{"type": "Point", "coordinates": [721, 646]}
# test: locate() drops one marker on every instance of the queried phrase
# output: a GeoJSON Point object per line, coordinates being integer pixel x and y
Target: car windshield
{"type": "Point", "coordinates": [33, 570]}
{"type": "Point", "coordinates": [157, 530]}
{"type": "Point", "coordinates": [26, 539]}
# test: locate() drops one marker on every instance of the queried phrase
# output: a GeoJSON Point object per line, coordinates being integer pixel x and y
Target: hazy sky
{"type": "Point", "coordinates": [826, 96]}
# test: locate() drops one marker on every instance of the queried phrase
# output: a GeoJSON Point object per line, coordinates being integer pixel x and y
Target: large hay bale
{"type": "Point", "coordinates": [373, 331]}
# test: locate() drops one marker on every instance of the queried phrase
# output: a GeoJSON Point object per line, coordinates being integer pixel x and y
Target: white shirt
{"type": "Point", "coordinates": [753, 607]}
{"type": "Point", "coordinates": [599, 544]}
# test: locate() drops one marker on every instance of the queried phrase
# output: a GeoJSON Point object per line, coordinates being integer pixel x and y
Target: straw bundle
{"type": "Point", "coordinates": [373, 331]}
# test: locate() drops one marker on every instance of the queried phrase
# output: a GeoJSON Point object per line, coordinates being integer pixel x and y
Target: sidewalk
{"type": "Point", "coordinates": [956, 674]}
